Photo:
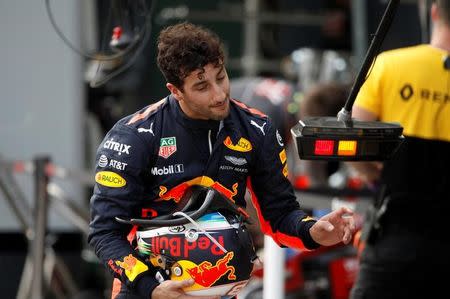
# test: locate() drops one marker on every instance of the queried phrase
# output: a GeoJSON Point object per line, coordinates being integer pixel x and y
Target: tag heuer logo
{"type": "Point", "coordinates": [167, 147]}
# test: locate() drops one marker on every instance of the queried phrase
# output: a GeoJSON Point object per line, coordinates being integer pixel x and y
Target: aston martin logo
{"type": "Point", "coordinates": [236, 160]}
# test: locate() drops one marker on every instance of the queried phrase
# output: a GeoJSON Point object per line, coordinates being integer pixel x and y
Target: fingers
{"type": "Point", "coordinates": [344, 222]}
{"type": "Point", "coordinates": [351, 224]}
{"type": "Point", "coordinates": [347, 236]}
{"type": "Point", "coordinates": [329, 227]}
{"type": "Point", "coordinates": [349, 227]}
{"type": "Point", "coordinates": [183, 283]}
{"type": "Point", "coordinates": [338, 226]}
{"type": "Point", "coordinates": [324, 225]}
{"type": "Point", "coordinates": [187, 283]}
{"type": "Point", "coordinates": [199, 297]}
{"type": "Point", "coordinates": [344, 211]}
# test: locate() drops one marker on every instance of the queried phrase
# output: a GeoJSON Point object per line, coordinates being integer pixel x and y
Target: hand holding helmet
{"type": "Point", "coordinates": [174, 289]}
{"type": "Point", "coordinates": [203, 249]}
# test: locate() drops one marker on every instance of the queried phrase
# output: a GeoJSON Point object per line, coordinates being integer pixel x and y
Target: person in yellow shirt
{"type": "Point", "coordinates": [406, 246]}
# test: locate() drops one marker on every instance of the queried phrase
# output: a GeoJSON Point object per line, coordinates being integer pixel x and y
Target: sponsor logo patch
{"type": "Point", "coordinates": [177, 229]}
{"type": "Point", "coordinates": [113, 266]}
{"type": "Point", "coordinates": [279, 139]}
{"type": "Point", "coordinates": [285, 171]}
{"type": "Point", "coordinates": [206, 274]}
{"type": "Point", "coordinates": [117, 164]}
{"type": "Point", "coordinates": [103, 162]}
{"type": "Point", "coordinates": [283, 157]}
{"type": "Point", "coordinates": [261, 127]}
{"type": "Point", "coordinates": [149, 130]}
{"type": "Point", "coordinates": [120, 148]}
{"type": "Point", "coordinates": [132, 266]}
{"type": "Point", "coordinates": [178, 246]}
{"type": "Point", "coordinates": [170, 169]}
{"type": "Point", "coordinates": [177, 192]}
{"type": "Point", "coordinates": [167, 147]}
{"type": "Point", "coordinates": [110, 179]}
{"type": "Point", "coordinates": [243, 145]}
{"type": "Point", "coordinates": [238, 169]}
{"type": "Point", "coordinates": [236, 160]}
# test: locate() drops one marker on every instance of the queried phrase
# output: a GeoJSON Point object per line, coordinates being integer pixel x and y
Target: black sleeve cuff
{"type": "Point", "coordinates": [145, 286]}
{"type": "Point", "coordinates": [303, 231]}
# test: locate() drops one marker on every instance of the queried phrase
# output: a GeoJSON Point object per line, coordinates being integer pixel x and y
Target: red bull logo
{"type": "Point", "coordinates": [128, 263]}
{"type": "Point", "coordinates": [132, 266]}
{"type": "Point", "coordinates": [114, 268]}
{"type": "Point", "coordinates": [180, 247]}
{"type": "Point", "coordinates": [225, 191]}
{"type": "Point", "coordinates": [177, 192]}
{"type": "Point", "coordinates": [206, 274]}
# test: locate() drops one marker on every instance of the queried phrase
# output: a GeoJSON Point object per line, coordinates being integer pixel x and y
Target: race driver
{"type": "Point", "coordinates": [196, 135]}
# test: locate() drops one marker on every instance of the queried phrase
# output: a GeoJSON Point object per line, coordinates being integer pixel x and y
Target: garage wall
{"type": "Point", "coordinates": [41, 94]}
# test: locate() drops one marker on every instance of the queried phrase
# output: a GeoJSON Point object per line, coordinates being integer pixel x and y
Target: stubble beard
{"type": "Point", "coordinates": [222, 116]}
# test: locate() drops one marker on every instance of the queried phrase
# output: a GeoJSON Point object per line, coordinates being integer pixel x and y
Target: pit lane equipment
{"type": "Point", "coordinates": [343, 138]}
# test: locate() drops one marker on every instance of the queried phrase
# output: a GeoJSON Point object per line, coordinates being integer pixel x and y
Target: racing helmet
{"type": "Point", "coordinates": [207, 241]}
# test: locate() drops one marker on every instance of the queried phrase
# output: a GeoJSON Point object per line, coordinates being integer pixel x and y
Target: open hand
{"type": "Point", "coordinates": [337, 226]}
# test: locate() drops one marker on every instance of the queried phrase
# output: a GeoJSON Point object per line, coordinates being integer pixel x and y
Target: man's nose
{"type": "Point", "coordinates": [218, 94]}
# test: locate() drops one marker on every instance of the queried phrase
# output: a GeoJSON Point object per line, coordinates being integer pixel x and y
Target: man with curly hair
{"type": "Point", "coordinates": [197, 133]}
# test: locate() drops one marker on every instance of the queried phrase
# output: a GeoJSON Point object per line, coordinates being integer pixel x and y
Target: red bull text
{"type": "Point", "coordinates": [180, 247]}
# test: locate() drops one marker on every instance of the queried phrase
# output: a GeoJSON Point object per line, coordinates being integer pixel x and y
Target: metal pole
{"type": "Point", "coordinates": [273, 286]}
{"type": "Point", "coordinates": [359, 29]}
{"type": "Point", "coordinates": [423, 7]}
{"type": "Point", "coordinates": [385, 23]}
{"type": "Point", "coordinates": [16, 200]}
{"type": "Point", "coordinates": [73, 213]}
{"type": "Point", "coordinates": [40, 223]}
{"type": "Point", "coordinates": [251, 37]}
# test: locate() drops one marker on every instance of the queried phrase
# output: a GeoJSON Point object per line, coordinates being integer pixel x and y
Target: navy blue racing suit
{"type": "Point", "coordinates": [148, 159]}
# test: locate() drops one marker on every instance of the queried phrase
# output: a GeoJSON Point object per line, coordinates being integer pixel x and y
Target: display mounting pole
{"type": "Point", "coordinates": [346, 112]}
{"type": "Point", "coordinates": [342, 138]}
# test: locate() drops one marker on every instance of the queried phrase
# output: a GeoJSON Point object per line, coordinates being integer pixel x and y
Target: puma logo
{"type": "Point", "coordinates": [253, 123]}
{"type": "Point", "coordinates": [150, 130]}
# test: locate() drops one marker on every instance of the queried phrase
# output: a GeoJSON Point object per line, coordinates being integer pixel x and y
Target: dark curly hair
{"type": "Point", "coordinates": [184, 48]}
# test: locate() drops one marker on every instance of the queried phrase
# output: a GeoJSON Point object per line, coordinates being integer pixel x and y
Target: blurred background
{"type": "Point", "coordinates": [71, 68]}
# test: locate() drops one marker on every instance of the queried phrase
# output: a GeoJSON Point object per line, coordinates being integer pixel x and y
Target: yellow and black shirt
{"type": "Point", "coordinates": [412, 87]}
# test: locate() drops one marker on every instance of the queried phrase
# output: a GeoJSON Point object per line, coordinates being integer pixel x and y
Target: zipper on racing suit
{"type": "Point", "coordinates": [209, 141]}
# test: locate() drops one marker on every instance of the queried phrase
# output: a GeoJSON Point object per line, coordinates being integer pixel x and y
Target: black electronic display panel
{"type": "Point", "coordinates": [327, 138]}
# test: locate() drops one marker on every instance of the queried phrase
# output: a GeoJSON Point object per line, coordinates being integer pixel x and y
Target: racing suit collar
{"type": "Point", "coordinates": [228, 124]}
{"type": "Point", "coordinates": [185, 121]}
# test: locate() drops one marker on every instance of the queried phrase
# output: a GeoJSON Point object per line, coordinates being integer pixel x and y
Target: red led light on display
{"type": "Point", "coordinates": [323, 147]}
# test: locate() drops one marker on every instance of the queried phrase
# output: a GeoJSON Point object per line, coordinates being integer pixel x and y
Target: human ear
{"type": "Point", "coordinates": [434, 12]}
{"type": "Point", "coordinates": [175, 91]}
